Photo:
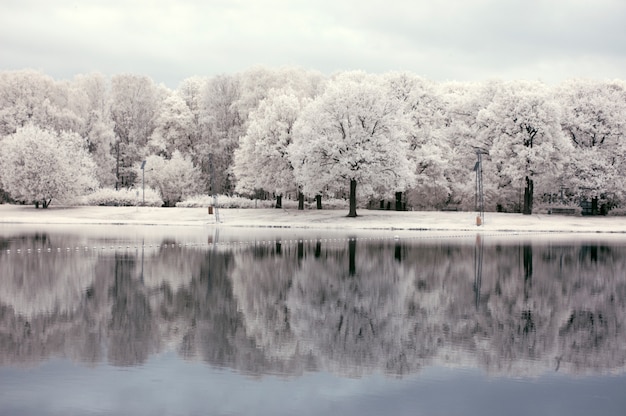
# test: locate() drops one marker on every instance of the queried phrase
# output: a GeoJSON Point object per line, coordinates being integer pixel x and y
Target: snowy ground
{"type": "Point", "coordinates": [312, 219]}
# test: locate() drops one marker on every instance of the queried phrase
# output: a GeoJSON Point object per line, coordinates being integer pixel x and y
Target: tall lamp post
{"type": "Point", "coordinates": [480, 200]}
{"type": "Point", "coordinates": [143, 183]}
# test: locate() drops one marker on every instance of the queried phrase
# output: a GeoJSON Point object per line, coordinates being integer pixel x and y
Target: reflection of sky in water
{"type": "Point", "coordinates": [168, 385]}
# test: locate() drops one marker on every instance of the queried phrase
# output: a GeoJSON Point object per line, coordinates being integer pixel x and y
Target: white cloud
{"type": "Point", "coordinates": [448, 39]}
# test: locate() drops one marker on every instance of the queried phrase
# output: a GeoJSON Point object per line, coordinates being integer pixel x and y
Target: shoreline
{"type": "Point", "coordinates": [269, 218]}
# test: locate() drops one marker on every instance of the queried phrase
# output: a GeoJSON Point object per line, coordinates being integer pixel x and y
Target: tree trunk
{"type": "Point", "coordinates": [117, 165]}
{"type": "Point", "coordinates": [398, 201]}
{"type": "Point", "coordinates": [300, 201]}
{"type": "Point", "coordinates": [318, 201]}
{"type": "Point", "coordinates": [46, 203]}
{"type": "Point", "coordinates": [36, 204]}
{"type": "Point", "coordinates": [279, 201]}
{"type": "Point", "coordinates": [528, 270]}
{"type": "Point", "coordinates": [352, 212]}
{"type": "Point", "coordinates": [594, 206]}
{"type": "Point", "coordinates": [528, 197]}
{"type": "Point", "coordinates": [352, 256]}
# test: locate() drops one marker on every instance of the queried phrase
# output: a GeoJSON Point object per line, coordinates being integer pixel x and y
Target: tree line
{"type": "Point", "coordinates": [292, 132]}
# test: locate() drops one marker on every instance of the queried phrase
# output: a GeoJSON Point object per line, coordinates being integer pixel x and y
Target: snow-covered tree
{"type": "Point", "coordinates": [191, 91]}
{"type": "Point", "coordinates": [352, 133]}
{"type": "Point", "coordinates": [174, 127]}
{"type": "Point", "coordinates": [174, 178]}
{"type": "Point", "coordinates": [38, 166]}
{"type": "Point", "coordinates": [460, 105]}
{"type": "Point", "coordinates": [594, 119]}
{"type": "Point", "coordinates": [31, 97]}
{"type": "Point", "coordinates": [521, 128]}
{"type": "Point", "coordinates": [134, 107]}
{"type": "Point", "coordinates": [428, 148]}
{"type": "Point", "coordinates": [89, 99]}
{"type": "Point", "coordinates": [262, 159]}
{"type": "Point", "coordinates": [221, 127]}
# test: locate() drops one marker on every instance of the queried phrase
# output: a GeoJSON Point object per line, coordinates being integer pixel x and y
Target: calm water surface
{"type": "Point", "coordinates": [191, 321]}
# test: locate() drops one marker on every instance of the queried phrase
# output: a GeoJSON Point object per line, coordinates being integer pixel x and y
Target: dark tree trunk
{"type": "Point", "coordinates": [398, 201]}
{"type": "Point", "coordinates": [528, 269]}
{"type": "Point", "coordinates": [36, 204]}
{"type": "Point", "coordinates": [352, 256]}
{"type": "Point", "coordinates": [46, 203]}
{"type": "Point", "coordinates": [279, 201]}
{"type": "Point", "coordinates": [398, 253]}
{"type": "Point", "coordinates": [300, 251]}
{"type": "Point", "coordinates": [318, 201]}
{"type": "Point", "coordinates": [117, 166]}
{"type": "Point", "coordinates": [300, 201]}
{"type": "Point", "coordinates": [318, 249]}
{"type": "Point", "coordinates": [594, 206]}
{"type": "Point", "coordinates": [352, 212]}
{"type": "Point", "coordinates": [528, 197]}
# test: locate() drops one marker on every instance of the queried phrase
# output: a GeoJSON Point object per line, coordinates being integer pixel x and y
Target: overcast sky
{"type": "Point", "coordinates": [170, 40]}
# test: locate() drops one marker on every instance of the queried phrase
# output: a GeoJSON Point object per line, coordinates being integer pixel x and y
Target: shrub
{"type": "Point", "coordinates": [225, 201]}
{"type": "Point", "coordinates": [123, 197]}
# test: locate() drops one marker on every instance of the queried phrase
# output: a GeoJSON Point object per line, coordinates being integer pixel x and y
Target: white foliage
{"type": "Point", "coordinates": [174, 127]}
{"type": "Point", "coordinates": [38, 165]}
{"type": "Point", "coordinates": [353, 131]}
{"type": "Point", "coordinates": [262, 159]}
{"type": "Point", "coordinates": [594, 119]}
{"type": "Point", "coordinates": [174, 178]}
{"type": "Point", "coordinates": [521, 128]}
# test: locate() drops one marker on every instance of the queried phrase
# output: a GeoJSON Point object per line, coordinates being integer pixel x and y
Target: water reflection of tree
{"type": "Point", "coordinates": [352, 318]}
{"type": "Point", "coordinates": [132, 333]}
{"type": "Point", "coordinates": [351, 307]}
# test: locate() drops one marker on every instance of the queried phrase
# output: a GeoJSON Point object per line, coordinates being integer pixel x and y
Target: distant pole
{"type": "Point", "coordinates": [479, 197]}
{"type": "Point", "coordinates": [143, 183]}
{"type": "Point", "coordinates": [212, 173]}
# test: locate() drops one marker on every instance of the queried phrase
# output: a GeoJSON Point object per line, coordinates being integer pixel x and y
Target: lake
{"type": "Point", "coordinates": [125, 320]}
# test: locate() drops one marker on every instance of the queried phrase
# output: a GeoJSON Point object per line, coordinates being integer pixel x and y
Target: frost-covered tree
{"type": "Point", "coordinates": [221, 127]}
{"type": "Point", "coordinates": [89, 100]}
{"type": "Point", "coordinates": [594, 119]}
{"type": "Point", "coordinates": [134, 107]}
{"type": "Point", "coordinates": [38, 166]}
{"type": "Point", "coordinates": [460, 104]}
{"type": "Point", "coordinates": [31, 97]}
{"type": "Point", "coordinates": [521, 128]}
{"type": "Point", "coordinates": [355, 134]}
{"type": "Point", "coordinates": [428, 148]}
{"type": "Point", "coordinates": [174, 178]}
{"type": "Point", "coordinates": [174, 127]}
{"type": "Point", "coordinates": [262, 159]}
{"type": "Point", "coordinates": [191, 91]}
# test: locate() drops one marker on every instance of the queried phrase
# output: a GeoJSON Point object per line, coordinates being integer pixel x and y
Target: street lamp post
{"type": "Point", "coordinates": [143, 183]}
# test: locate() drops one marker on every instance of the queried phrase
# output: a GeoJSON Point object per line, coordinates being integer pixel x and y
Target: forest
{"type": "Point", "coordinates": [392, 140]}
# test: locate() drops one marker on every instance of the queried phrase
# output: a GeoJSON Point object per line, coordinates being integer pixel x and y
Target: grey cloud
{"type": "Point", "coordinates": [452, 39]}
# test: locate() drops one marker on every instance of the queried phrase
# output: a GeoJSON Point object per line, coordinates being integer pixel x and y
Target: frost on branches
{"type": "Point", "coordinates": [352, 135]}
{"type": "Point", "coordinates": [261, 161]}
{"type": "Point", "coordinates": [174, 178]}
{"type": "Point", "coordinates": [38, 166]}
{"type": "Point", "coordinates": [521, 128]}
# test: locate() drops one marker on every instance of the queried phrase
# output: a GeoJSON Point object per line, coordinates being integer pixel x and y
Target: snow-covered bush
{"type": "Point", "coordinates": [38, 165]}
{"type": "Point", "coordinates": [175, 178]}
{"type": "Point", "coordinates": [224, 201]}
{"type": "Point", "coordinates": [123, 197]}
